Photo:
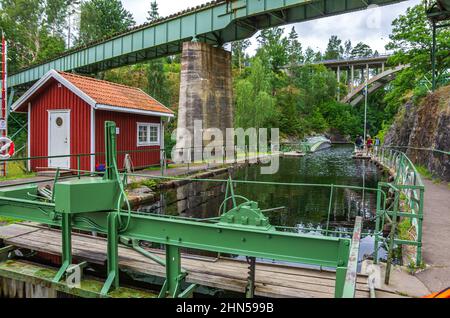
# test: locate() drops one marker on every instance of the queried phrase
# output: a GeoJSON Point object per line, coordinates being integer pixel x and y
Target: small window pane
{"type": "Point", "coordinates": [143, 134]}
{"type": "Point", "coordinates": [154, 134]}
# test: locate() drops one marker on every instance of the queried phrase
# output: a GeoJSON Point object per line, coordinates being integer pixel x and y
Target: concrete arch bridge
{"type": "Point", "coordinates": [373, 72]}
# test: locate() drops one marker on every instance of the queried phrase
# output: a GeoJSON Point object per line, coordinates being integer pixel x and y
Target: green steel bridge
{"type": "Point", "coordinates": [215, 23]}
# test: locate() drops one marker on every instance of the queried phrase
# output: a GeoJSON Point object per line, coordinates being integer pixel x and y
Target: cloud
{"type": "Point", "coordinates": [371, 26]}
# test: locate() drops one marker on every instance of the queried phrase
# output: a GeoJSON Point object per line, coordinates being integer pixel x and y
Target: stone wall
{"type": "Point", "coordinates": [425, 124]}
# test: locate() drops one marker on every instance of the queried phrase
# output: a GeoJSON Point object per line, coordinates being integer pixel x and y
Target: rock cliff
{"type": "Point", "coordinates": [425, 124]}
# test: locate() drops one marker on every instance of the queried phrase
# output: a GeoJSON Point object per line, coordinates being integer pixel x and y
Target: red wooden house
{"type": "Point", "coordinates": [66, 116]}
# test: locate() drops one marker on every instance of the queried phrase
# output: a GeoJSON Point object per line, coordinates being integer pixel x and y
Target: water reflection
{"type": "Point", "coordinates": [303, 209]}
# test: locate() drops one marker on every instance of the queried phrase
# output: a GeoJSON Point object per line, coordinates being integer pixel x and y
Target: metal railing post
{"type": "Point", "coordinates": [392, 239]}
{"type": "Point", "coordinates": [78, 167]}
{"type": "Point", "coordinates": [329, 208]}
{"type": "Point", "coordinates": [377, 225]}
{"type": "Point", "coordinates": [419, 225]}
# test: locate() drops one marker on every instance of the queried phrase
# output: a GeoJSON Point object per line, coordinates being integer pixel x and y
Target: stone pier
{"type": "Point", "coordinates": [206, 88]}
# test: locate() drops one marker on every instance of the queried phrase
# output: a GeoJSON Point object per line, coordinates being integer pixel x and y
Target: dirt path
{"type": "Point", "coordinates": [436, 237]}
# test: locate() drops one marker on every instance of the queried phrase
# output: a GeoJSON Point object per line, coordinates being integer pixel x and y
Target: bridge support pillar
{"type": "Point", "coordinates": [205, 89]}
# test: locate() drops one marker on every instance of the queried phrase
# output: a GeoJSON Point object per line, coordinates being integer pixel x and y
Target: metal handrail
{"type": "Point", "coordinates": [409, 185]}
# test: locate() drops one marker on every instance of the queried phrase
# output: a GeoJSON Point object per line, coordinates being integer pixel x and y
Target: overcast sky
{"type": "Point", "coordinates": [371, 26]}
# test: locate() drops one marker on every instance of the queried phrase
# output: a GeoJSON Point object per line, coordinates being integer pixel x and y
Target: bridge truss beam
{"type": "Point", "coordinates": [216, 23]}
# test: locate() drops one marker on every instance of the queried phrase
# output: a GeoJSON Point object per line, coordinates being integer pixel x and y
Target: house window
{"type": "Point", "coordinates": [148, 134]}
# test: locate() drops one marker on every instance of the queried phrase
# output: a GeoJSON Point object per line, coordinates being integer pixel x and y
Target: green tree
{"type": "Point", "coordinates": [56, 14]}
{"type": "Point", "coordinates": [158, 86]}
{"type": "Point", "coordinates": [289, 120]}
{"type": "Point", "coordinates": [153, 14]}
{"type": "Point", "coordinates": [294, 49]}
{"type": "Point", "coordinates": [238, 49]}
{"type": "Point", "coordinates": [411, 40]}
{"type": "Point", "coordinates": [102, 18]}
{"type": "Point", "coordinates": [310, 56]}
{"type": "Point", "coordinates": [34, 30]}
{"type": "Point", "coordinates": [254, 103]}
{"type": "Point", "coordinates": [272, 49]}
{"type": "Point", "coordinates": [334, 49]}
{"type": "Point", "coordinates": [361, 50]}
{"type": "Point", "coordinates": [348, 49]}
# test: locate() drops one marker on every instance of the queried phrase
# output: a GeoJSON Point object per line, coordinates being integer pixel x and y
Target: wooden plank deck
{"type": "Point", "coordinates": [228, 274]}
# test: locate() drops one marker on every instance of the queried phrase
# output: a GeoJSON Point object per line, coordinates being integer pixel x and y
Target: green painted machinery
{"type": "Point", "coordinates": [96, 204]}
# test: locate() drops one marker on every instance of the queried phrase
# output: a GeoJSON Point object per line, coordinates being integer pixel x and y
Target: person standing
{"type": "Point", "coordinates": [359, 142]}
{"type": "Point", "coordinates": [377, 145]}
{"type": "Point", "coordinates": [369, 144]}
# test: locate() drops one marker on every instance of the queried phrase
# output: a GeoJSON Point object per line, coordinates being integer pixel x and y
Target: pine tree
{"type": "Point", "coordinates": [102, 18]}
{"type": "Point", "coordinates": [361, 50]}
{"type": "Point", "coordinates": [153, 14]}
{"type": "Point", "coordinates": [334, 49]}
{"type": "Point", "coordinates": [348, 49]}
{"type": "Point", "coordinates": [238, 49]}
{"type": "Point", "coordinates": [310, 55]}
{"type": "Point", "coordinates": [295, 48]}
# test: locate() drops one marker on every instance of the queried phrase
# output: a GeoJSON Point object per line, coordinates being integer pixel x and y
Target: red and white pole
{"type": "Point", "coordinates": [4, 105]}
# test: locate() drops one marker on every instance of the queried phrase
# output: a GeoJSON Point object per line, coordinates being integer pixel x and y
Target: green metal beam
{"type": "Point", "coordinates": [283, 246]}
{"type": "Point", "coordinates": [215, 23]}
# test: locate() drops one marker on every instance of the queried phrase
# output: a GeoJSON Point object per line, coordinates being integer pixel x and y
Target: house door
{"type": "Point", "coordinates": [59, 139]}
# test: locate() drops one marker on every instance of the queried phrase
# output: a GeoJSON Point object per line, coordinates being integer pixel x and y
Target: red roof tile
{"type": "Point", "coordinates": [116, 95]}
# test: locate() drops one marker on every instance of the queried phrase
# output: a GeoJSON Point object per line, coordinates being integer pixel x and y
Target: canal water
{"type": "Point", "coordinates": [303, 209]}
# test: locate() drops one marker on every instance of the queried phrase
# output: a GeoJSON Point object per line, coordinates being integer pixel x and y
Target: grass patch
{"type": "Point", "coordinates": [403, 229]}
{"type": "Point", "coordinates": [8, 221]}
{"type": "Point", "coordinates": [16, 170]}
{"type": "Point", "coordinates": [424, 172]}
{"type": "Point", "coordinates": [149, 183]}
{"type": "Point", "coordinates": [413, 268]}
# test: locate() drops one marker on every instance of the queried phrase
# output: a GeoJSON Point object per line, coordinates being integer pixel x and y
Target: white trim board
{"type": "Point", "coordinates": [92, 139]}
{"type": "Point", "coordinates": [132, 111]}
{"type": "Point", "coordinates": [53, 74]}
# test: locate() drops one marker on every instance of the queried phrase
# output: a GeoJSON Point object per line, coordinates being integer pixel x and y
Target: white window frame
{"type": "Point", "coordinates": [148, 143]}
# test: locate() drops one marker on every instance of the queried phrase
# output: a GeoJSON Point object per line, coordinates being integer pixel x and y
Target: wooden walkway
{"type": "Point", "coordinates": [271, 280]}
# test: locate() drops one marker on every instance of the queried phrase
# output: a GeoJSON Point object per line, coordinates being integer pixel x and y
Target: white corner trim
{"type": "Point", "coordinates": [162, 145]}
{"type": "Point", "coordinates": [132, 111]}
{"type": "Point", "coordinates": [92, 139]}
{"type": "Point", "coordinates": [53, 74]}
